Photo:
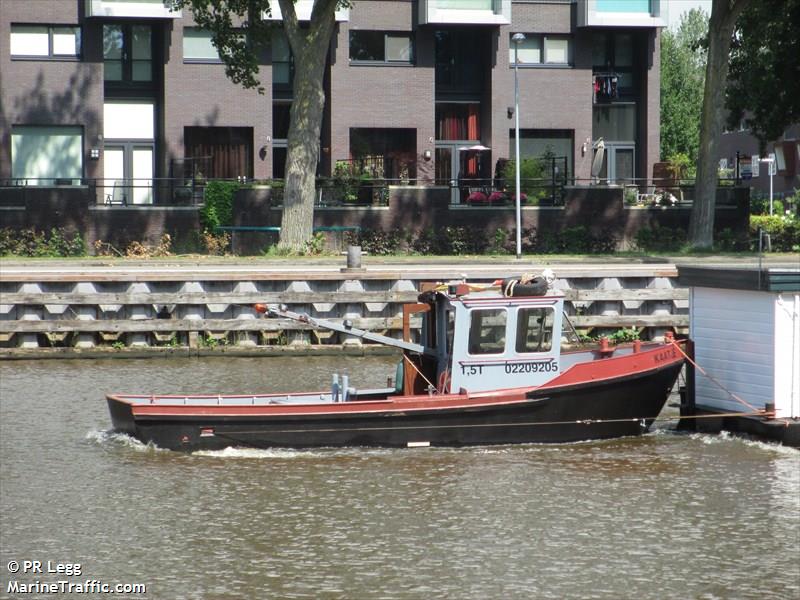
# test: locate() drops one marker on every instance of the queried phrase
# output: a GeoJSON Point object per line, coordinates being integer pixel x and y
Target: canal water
{"type": "Point", "coordinates": [667, 515]}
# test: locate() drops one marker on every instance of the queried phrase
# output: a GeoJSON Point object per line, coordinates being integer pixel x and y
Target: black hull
{"type": "Point", "coordinates": [623, 407]}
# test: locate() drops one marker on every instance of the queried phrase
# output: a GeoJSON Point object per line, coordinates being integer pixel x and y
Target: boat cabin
{"type": "Point", "coordinates": [481, 340]}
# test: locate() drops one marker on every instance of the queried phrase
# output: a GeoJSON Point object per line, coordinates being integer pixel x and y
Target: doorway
{"type": "Point", "coordinates": [463, 166]}
{"type": "Point", "coordinates": [618, 166]}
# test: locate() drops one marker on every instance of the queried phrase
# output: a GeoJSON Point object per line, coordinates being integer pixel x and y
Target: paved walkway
{"type": "Point", "coordinates": [373, 267]}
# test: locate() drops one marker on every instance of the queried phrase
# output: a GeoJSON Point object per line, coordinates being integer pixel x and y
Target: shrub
{"type": "Point", "coordinates": [345, 181]}
{"type": "Point", "coordinates": [477, 197]}
{"type": "Point", "coordinates": [498, 198]}
{"type": "Point", "coordinates": [216, 244]}
{"type": "Point", "coordinates": [217, 210]}
{"type": "Point", "coordinates": [376, 241]}
{"type": "Point", "coordinates": [534, 180]}
{"type": "Point", "coordinates": [759, 204]}
{"type": "Point", "coordinates": [574, 240]}
{"type": "Point", "coordinates": [30, 242]}
{"type": "Point", "coordinates": [784, 231]}
{"type": "Point", "coordinates": [659, 239]}
{"type": "Point", "coordinates": [500, 241]}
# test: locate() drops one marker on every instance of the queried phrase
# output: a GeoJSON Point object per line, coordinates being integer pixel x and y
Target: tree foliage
{"type": "Point", "coordinates": [724, 14]}
{"type": "Point", "coordinates": [683, 65]}
{"type": "Point", "coordinates": [764, 77]}
{"type": "Point", "coordinates": [240, 33]}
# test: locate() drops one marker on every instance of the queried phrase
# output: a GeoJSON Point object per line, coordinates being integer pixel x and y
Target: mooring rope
{"type": "Point", "coordinates": [722, 387]}
{"type": "Point", "coordinates": [428, 381]}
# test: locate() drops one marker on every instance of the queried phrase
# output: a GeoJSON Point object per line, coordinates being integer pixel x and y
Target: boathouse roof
{"type": "Point", "coordinates": [775, 279]}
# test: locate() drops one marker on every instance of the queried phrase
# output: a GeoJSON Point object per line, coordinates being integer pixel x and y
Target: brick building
{"type": "Point", "coordinates": [122, 91]}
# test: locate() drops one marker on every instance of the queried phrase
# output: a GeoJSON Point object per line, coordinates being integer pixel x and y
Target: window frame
{"type": "Point", "coordinates": [385, 61]}
{"type": "Point", "coordinates": [282, 89]}
{"type": "Point", "coordinates": [128, 61]}
{"type": "Point", "coordinates": [549, 318]}
{"type": "Point", "coordinates": [470, 345]}
{"type": "Point", "coordinates": [51, 55]}
{"type": "Point", "coordinates": [200, 60]}
{"type": "Point", "coordinates": [543, 63]}
{"type": "Point", "coordinates": [76, 131]}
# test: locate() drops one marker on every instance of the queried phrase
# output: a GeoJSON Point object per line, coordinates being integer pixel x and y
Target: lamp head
{"type": "Point", "coordinates": [517, 38]}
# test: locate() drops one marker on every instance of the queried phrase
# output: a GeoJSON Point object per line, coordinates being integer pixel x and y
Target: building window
{"type": "Point", "coordinates": [534, 330]}
{"type": "Point", "coordinates": [197, 46]}
{"type": "Point", "coordinates": [542, 50]}
{"type": "Point", "coordinates": [461, 57]}
{"type": "Point", "coordinates": [487, 331]}
{"type": "Point", "coordinates": [128, 54]}
{"type": "Point", "coordinates": [624, 6]}
{"type": "Point", "coordinates": [389, 153]}
{"type": "Point", "coordinates": [282, 62]}
{"type": "Point", "coordinates": [463, 4]}
{"type": "Point", "coordinates": [546, 143]}
{"type": "Point", "coordinates": [456, 121]}
{"type": "Point", "coordinates": [613, 65]}
{"type": "Point", "coordinates": [380, 46]}
{"type": "Point", "coordinates": [614, 122]}
{"type": "Point", "coordinates": [43, 41]}
{"type": "Point", "coordinates": [47, 155]}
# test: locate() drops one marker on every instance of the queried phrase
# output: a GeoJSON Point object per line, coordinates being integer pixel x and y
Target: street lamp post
{"type": "Point", "coordinates": [517, 38]}
{"type": "Point", "coordinates": [770, 160]}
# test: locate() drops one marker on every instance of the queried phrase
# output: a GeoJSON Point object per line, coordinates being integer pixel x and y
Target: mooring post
{"type": "Point", "coordinates": [353, 260]}
{"type": "Point", "coordinates": [688, 408]}
{"type": "Point", "coordinates": [354, 257]}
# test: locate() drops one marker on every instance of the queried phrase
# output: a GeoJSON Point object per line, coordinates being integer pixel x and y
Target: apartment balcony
{"type": "Point", "coordinates": [465, 12]}
{"type": "Point", "coordinates": [622, 13]}
{"type": "Point", "coordinates": [303, 10]}
{"type": "Point", "coordinates": [131, 9]}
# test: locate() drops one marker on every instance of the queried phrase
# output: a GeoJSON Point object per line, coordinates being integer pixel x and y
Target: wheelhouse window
{"type": "Point", "coordinates": [487, 331]}
{"type": "Point", "coordinates": [47, 155]}
{"type": "Point", "coordinates": [197, 46]}
{"type": "Point", "coordinates": [45, 41]}
{"type": "Point", "coordinates": [541, 50]}
{"type": "Point", "coordinates": [381, 47]}
{"type": "Point", "coordinates": [534, 330]}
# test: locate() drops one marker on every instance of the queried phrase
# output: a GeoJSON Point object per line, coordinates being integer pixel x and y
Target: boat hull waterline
{"type": "Point", "coordinates": [623, 404]}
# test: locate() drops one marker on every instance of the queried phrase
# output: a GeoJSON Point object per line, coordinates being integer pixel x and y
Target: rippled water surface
{"type": "Point", "coordinates": [664, 516]}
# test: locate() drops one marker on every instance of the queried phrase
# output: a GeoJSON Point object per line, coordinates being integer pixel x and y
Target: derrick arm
{"type": "Point", "coordinates": [346, 327]}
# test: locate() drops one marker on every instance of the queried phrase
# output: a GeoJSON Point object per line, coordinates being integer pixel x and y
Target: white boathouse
{"type": "Point", "coordinates": [745, 325]}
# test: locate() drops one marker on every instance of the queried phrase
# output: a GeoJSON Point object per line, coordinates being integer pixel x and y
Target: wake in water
{"type": "Point", "coordinates": [726, 437]}
{"type": "Point", "coordinates": [112, 438]}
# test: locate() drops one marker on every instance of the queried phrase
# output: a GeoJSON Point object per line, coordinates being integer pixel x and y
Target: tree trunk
{"type": "Point", "coordinates": [309, 48]}
{"type": "Point", "coordinates": [302, 155]}
{"type": "Point", "coordinates": [720, 30]}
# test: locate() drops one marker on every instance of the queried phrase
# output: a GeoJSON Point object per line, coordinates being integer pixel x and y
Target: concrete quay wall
{"type": "Point", "coordinates": [70, 309]}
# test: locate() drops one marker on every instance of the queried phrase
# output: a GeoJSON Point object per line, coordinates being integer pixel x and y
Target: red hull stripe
{"type": "Point", "coordinates": [599, 371]}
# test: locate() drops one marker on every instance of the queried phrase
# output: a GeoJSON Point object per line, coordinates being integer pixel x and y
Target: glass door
{"type": "Point", "coordinates": [142, 174]}
{"type": "Point", "coordinates": [616, 165]}
{"type": "Point", "coordinates": [446, 170]}
{"type": "Point", "coordinates": [114, 189]}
